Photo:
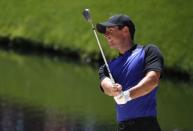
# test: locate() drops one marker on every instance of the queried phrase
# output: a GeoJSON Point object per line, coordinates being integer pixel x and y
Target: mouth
{"type": "Point", "coordinates": [110, 41]}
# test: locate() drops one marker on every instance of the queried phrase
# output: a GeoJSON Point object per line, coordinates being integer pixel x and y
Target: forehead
{"type": "Point", "coordinates": [112, 27]}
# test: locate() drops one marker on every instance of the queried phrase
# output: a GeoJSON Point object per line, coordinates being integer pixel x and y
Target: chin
{"type": "Point", "coordinates": [111, 46]}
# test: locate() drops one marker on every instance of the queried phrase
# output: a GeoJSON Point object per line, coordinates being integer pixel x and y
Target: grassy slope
{"type": "Point", "coordinates": [42, 82]}
{"type": "Point", "coordinates": [166, 23]}
{"type": "Point", "coordinates": [52, 84]}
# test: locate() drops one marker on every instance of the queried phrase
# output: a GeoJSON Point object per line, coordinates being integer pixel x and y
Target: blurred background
{"type": "Point", "coordinates": [49, 61]}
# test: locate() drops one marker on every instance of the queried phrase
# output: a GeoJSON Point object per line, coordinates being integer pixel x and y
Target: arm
{"type": "Point", "coordinates": [109, 88]}
{"type": "Point", "coordinates": [153, 67]}
{"type": "Point", "coordinates": [106, 85]}
{"type": "Point", "coordinates": [146, 85]}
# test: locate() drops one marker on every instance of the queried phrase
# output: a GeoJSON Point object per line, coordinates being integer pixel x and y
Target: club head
{"type": "Point", "coordinates": [86, 14]}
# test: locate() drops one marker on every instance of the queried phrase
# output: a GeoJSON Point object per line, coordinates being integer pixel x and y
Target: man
{"type": "Point", "coordinates": [136, 71]}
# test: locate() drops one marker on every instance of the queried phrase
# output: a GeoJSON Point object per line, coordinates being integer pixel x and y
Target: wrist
{"type": "Point", "coordinates": [127, 95]}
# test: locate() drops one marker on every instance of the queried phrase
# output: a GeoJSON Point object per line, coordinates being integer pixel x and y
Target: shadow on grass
{"type": "Point", "coordinates": [29, 47]}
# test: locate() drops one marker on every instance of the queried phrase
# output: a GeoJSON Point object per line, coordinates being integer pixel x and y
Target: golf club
{"type": "Point", "coordinates": [121, 97]}
{"type": "Point", "coordinates": [87, 16]}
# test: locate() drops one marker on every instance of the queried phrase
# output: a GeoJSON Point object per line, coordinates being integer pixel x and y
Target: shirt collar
{"type": "Point", "coordinates": [130, 50]}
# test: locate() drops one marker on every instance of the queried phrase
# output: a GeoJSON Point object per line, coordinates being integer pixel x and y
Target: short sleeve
{"type": "Point", "coordinates": [103, 72]}
{"type": "Point", "coordinates": [153, 59]}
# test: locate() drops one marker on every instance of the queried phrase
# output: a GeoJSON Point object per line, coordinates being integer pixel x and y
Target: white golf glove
{"type": "Point", "coordinates": [123, 97]}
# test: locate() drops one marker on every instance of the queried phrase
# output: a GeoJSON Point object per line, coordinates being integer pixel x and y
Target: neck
{"type": "Point", "coordinates": [125, 47]}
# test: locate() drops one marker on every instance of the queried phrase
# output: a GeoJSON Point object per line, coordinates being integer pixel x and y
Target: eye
{"type": "Point", "coordinates": [107, 33]}
{"type": "Point", "coordinates": [110, 30]}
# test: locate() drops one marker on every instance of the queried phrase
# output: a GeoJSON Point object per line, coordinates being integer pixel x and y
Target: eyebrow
{"type": "Point", "coordinates": [111, 28]}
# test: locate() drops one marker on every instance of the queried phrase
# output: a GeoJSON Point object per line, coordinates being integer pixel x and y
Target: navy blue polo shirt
{"type": "Point", "coordinates": [130, 68]}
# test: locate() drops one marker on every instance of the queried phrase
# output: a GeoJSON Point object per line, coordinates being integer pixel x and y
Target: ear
{"type": "Point", "coordinates": [126, 30]}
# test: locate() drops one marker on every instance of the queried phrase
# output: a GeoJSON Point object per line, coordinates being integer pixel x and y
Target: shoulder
{"type": "Point", "coordinates": [151, 48]}
{"type": "Point", "coordinates": [153, 58]}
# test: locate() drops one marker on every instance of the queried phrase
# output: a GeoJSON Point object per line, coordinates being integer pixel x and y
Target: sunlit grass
{"type": "Point", "coordinates": [164, 23]}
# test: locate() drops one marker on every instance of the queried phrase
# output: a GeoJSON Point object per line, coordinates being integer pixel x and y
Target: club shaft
{"type": "Point", "coordinates": [103, 55]}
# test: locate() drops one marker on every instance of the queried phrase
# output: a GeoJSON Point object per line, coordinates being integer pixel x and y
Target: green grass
{"type": "Point", "coordinates": [166, 23]}
{"type": "Point", "coordinates": [41, 82]}
{"type": "Point", "coordinates": [175, 105]}
{"type": "Point", "coordinates": [73, 88]}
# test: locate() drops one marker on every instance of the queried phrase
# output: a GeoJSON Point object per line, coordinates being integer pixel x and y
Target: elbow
{"type": "Point", "coordinates": [154, 78]}
{"type": "Point", "coordinates": [155, 82]}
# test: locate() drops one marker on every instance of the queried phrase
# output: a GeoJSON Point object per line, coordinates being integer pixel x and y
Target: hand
{"type": "Point", "coordinates": [109, 88]}
{"type": "Point", "coordinates": [123, 97]}
{"type": "Point", "coordinates": [116, 89]}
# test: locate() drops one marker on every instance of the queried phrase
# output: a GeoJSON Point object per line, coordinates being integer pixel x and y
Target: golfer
{"type": "Point", "coordinates": [136, 71]}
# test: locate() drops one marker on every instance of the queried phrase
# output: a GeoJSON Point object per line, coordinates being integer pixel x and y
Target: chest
{"type": "Point", "coordinates": [128, 67]}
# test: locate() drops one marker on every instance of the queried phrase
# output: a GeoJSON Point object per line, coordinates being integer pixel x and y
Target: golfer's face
{"type": "Point", "coordinates": [113, 36]}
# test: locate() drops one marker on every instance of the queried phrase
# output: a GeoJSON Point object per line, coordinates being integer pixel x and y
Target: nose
{"type": "Point", "coordinates": [107, 36]}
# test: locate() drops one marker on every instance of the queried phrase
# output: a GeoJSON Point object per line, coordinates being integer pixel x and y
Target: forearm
{"type": "Point", "coordinates": [106, 85]}
{"type": "Point", "coordinates": [146, 85]}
